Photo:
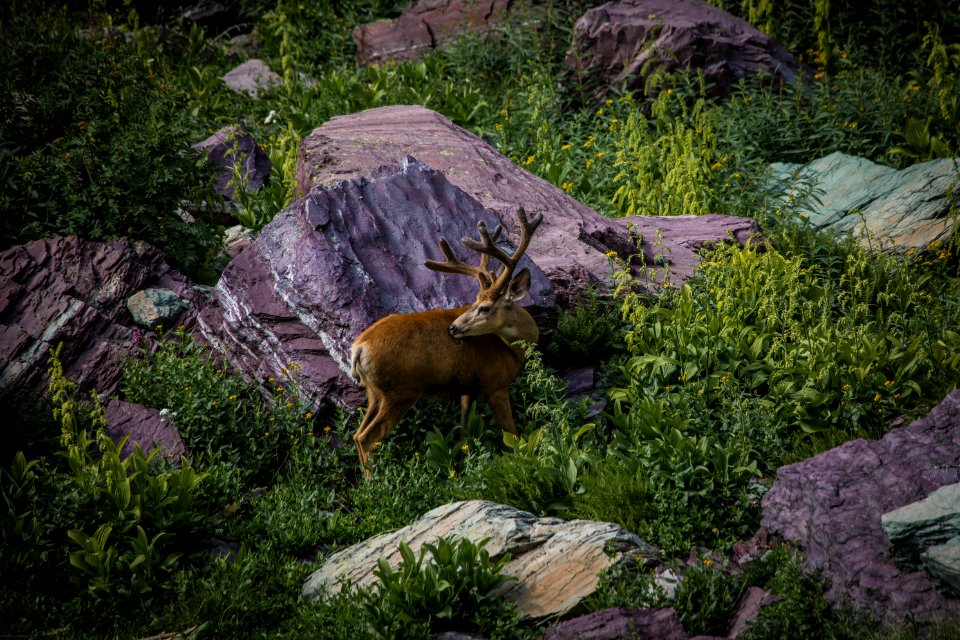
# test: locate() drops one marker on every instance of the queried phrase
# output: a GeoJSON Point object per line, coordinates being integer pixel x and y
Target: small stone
{"type": "Point", "coordinates": [252, 77]}
{"type": "Point", "coordinates": [153, 307]}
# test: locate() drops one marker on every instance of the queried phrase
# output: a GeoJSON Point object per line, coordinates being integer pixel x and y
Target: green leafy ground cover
{"type": "Point", "coordinates": [767, 356]}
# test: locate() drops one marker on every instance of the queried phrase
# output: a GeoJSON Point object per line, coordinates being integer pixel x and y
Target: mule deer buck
{"type": "Point", "coordinates": [449, 353]}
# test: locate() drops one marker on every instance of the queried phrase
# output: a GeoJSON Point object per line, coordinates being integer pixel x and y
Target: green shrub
{"type": "Point", "coordinates": [448, 585]}
{"type": "Point", "coordinates": [222, 416]}
{"type": "Point", "coordinates": [94, 143]}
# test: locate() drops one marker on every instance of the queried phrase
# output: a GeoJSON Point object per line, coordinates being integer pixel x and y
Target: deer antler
{"type": "Point", "coordinates": [454, 265]}
{"type": "Point", "coordinates": [487, 247]}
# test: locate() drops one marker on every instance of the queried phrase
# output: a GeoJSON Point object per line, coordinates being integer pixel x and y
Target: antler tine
{"type": "Point", "coordinates": [487, 246]}
{"type": "Point", "coordinates": [454, 265]}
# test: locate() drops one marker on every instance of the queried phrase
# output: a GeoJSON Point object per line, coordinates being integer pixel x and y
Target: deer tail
{"type": "Point", "coordinates": [356, 354]}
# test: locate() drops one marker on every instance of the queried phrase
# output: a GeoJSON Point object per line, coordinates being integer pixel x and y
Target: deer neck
{"type": "Point", "coordinates": [524, 328]}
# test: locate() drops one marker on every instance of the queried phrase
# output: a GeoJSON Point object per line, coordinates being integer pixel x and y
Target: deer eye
{"type": "Point", "coordinates": [485, 308]}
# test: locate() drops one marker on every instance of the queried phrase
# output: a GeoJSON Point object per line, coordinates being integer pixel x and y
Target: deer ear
{"type": "Point", "coordinates": [520, 285]}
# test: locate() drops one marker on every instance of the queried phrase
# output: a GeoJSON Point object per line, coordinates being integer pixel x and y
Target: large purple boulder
{"type": "Point", "coordinates": [72, 291]}
{"type": "Point", "coordinates": [571, 245]}
{"type": "Point", "coordinates": [831, 507]}
{"type": "Point", "coordinates": [335, 261]}
{"type": "Point", "coordinates": [624, 42]}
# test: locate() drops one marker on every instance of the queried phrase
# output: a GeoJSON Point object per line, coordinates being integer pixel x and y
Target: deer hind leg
{"type": "Point", "coordinates": [499, 402]}
{"type": "Point", "coordinates": [378, 426]}
{"type": "Point", "coordinates": [374, 405]}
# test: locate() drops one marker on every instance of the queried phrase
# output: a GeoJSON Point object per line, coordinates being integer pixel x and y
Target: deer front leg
{"type": "Point", "coordinates": [499, 402]}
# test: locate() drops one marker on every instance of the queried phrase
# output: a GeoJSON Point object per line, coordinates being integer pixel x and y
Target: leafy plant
{"type": "Point", "coordinates": [449, 584]}
{"type": "Point", "coordinates": [94, 142]}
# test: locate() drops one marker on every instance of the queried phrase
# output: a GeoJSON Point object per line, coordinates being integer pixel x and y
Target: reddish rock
{"type": "Point", "coordinates": [146, 427]}
{"type": "Point", "coordinates": [228, 146]}
{"type": "Point", "coordinates": [335, 261]}
{"type": "Point", "coordinates": [72, 291]}
{"type": "Point", "coordinates": [620, 623]}
{"type": "Point", "coordinates": [571, 244]}
{"type": "Point", "coordinates": [831, 504]}
{"type": "Point", "coordinates": [616, 42]}
{"type": "Point", "coordinates": [423, 27]}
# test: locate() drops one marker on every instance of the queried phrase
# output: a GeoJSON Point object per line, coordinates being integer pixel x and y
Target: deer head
{"type": "Point", "coordinates": [495, 305]}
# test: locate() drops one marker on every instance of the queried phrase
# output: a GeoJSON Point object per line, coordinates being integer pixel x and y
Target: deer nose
{"type": "Point", "coordinates": [452, 330]}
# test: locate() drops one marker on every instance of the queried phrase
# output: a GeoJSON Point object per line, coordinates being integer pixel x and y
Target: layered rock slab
{"type": "Point", "coordinates": [73, 291]}
{"type": "Point", "coordinates": [571, 245]}
{"type": "Point", "coordinates": [333, 262]}
{"type": "Point", "coordinates": [623, 43]}
{"type": "Point", "coordinates": [556, 563]}
{"type": "Point", "coordinates": [905, 209]}
{"type": "Point", "coordinates": [831, 506]}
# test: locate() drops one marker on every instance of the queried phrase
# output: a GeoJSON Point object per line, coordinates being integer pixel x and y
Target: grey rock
{"type": "Point", "coordinates": [620, 623]}
{"type": "Point", "coordinates": [252, 77]}
{"type": "Point", "coordinates": [906, 209]}
{"type": "Point", "coordinates": [225, 149]}
{"type": "Point", "coordinates": [942, 564]}
{"type": "Point", "coordinates": [72, 291]}
{"type": "Point", "coordinates": [146, 427]}
{"type": "Point", "coordinates": [919, 525]}
{"type": "Point", "coordinates": [555, 563]}
{"type": "Point", "coordinates": [830, 506]}
{"type": "Point", "coordinates": [624, 42]}
{"type": "Point", "coordinates": [156, 307]}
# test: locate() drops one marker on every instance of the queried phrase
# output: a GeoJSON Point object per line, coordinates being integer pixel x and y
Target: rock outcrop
{"type": "Point", "coordinates": [423, 27]}
{"type": "Point", "coordinates": [906, 209]}
{"type": "Point", "coordinates": [831, 506]}
{"type": "Point", "coordinates": [556, 563]}
{"type": "Point", "coordinates": [572, 243]}
{"type": "Point", "coordinates": [332, 263]}
{"type": "Point", "coordinates": [623, 43]}
{"type": "Point", "coordinates": [72, 291]}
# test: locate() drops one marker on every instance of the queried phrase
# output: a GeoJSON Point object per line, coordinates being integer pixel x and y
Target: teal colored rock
{"type": "Point", "coordinates": [152, 307]}
{"type": "Point", "coordinates": [942, 564]}
{"type": "Point", "coordinates": [914, 528]}
{"type": "Point", "coordinates": [892, 209]}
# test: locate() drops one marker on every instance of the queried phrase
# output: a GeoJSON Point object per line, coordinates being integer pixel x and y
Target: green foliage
{"type": "Point", "coordinates": [670, 164]}
{"type": "Point", "coordinates": [398, 493]}
{"type": "Point", "coordinates": [220, 415]}
{"type": "Point", "coordinates": [453, 589]}
{"type": "Point", "coordinates": [707, 597]}
{"type": "Point", "coordinates": [94, 142]}
{"type": "Point", "coordinates": [150, 510]}
{"type": "Point", "coordinates": [589, 331]}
